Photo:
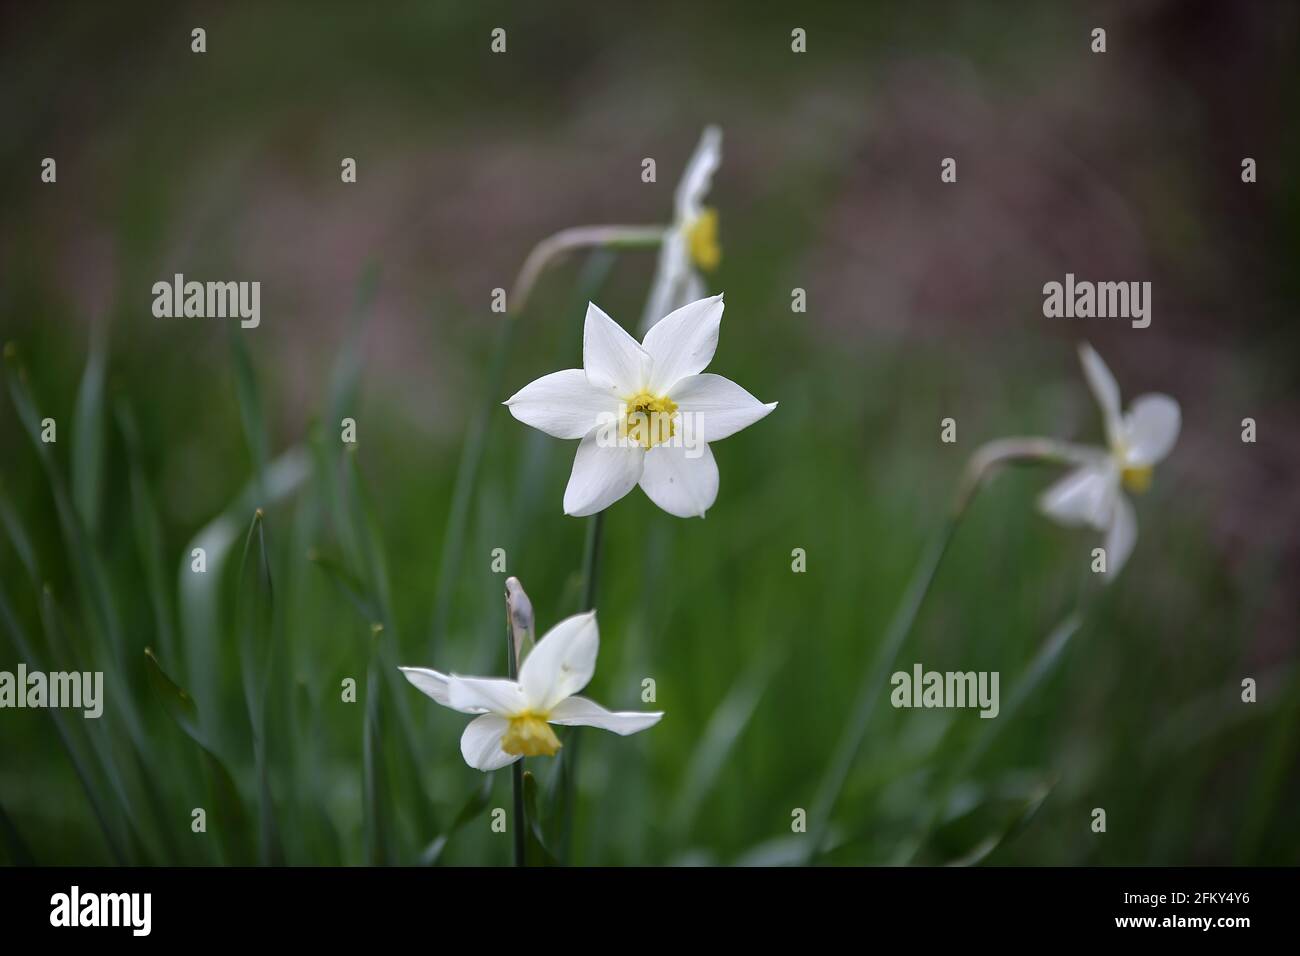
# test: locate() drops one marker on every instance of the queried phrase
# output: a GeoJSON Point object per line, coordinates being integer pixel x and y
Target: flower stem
{"type": "Point", "coordinates": [1039, 669]}
{"type": "Point", "coordinates": [546, 252]}
{"type": "Point", "coordinates": [591, 561]}
{"type": "Point", "coordinates": [517, 768]}
{"type": "Point", "coordinates": [846, 751]}
{"type": "Point", "coordinates": [569, 763]}
{"type": "Point", "coordinates": [986, 460]}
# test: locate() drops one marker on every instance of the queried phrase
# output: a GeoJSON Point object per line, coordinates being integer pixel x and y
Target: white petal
{"type": "Point", "coordinates": [1151, 428]}
{"type": "Point", "coordinates": [562, 662]}
{"type": "Point", "coordinates": [601, 475]}
{"type": "Point", "coordinates": [698, 176]}
{"type": "Point", "coordinates": [435, 684]}
{"type": "Point", "coordinates": [612, 359]}
{"type": "Point", "coordinates": [562, 404]}
{"type": "Point", "coordinates": [716, 407]}
{"type": "Point", "coordinates": [682, 485]}
{"type": "Point", "coordinates": [581, 712]}
{"type": "Point", "coordinates": [1083, 497]}
{"type": "Point", "coordinates": [484, 695]}
{"type": "Point", "coordinates": [682, 343]}
{"type": "Point", "coordinates": [480, 744]}
{"type": "Point", "coordinates": [1121, 536]}
{"type": "Point", "coordinates": [1105, 388]}
{"type": "Point", "coordinates": [674, 266]}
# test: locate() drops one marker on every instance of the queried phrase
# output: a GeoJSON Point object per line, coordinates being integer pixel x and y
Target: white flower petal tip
{"type": "Point", "coordinates": [431, 682]}
{"type": "Point", "coordinates": [581, 712]}
{"type": "Point", "coordinates": [563, 404]}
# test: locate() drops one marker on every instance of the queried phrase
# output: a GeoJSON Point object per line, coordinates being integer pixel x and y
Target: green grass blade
{"type": "Point", "coordinates": [20, 853]}
{"type": "Point", "coordinates": [148, 536]}
{"type": "Point", "coordinates": [536, 851]}
{"type": "Point", "coordinates": [90, 575]}
{"type": "Point", "coordinates": [228, 814]}
{"type": "Point", "coordinates": [348, 585]}
{"type": "Point", "coordinates": [373, 789]}
{"type": "Point", "coordinates": [346, 374]}
{"type": "Point", "coordinates": [250, 403]}
{"type": "Point", "coordinates": [201, 595]}
{"type": "Point", "coordinates": [477, 802]}
{"type": "Point", "coordinates": [85, 774]}
{"type": "Point", "coordinates": [373, 570]}
{"type": "Point", "coordinates": [255, 616]}
{"type": "Point", "coordinates": [724, 729]}
{"type": "Point", "coordinates": [88, 436]}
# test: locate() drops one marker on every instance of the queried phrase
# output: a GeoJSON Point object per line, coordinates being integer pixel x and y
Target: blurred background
{"type": "Point", "coordinates": [924, 301]}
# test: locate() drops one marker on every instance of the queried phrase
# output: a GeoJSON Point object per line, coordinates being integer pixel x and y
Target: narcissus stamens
{"type": "Point", "coordinates": [648, 419]}
{"type": "Point", "coordinates": [529, 735]}
{"type": "Point", "coordinates": [702, 239]}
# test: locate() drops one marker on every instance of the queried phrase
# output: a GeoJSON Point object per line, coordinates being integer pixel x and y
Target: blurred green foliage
{"type": "Point", "coordinates": [173, 440]}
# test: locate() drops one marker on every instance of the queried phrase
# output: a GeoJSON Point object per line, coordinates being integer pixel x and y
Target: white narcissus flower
{"type": "Point", "coordinates": [1093, 493]}
{"type": "Point", "coordinates": [514, 717]}
{"type": "Point", "coordinates": [690, 244]}
{"type": "Point", "coordinates": [644, 412]}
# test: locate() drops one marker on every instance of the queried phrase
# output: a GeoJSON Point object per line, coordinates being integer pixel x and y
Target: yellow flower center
{"type": "Point", "coordinates": [702, 239]}
{"type": "Point", "coordinates": [529, 735]}
{"type": "Point", "coordinates": [1137, 480]}
{"type": "Point", "coordinates": [649, 419]}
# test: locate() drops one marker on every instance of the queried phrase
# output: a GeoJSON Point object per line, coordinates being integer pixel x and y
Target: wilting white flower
{"type": "Point", "coordinates": [690, 244]}
{"type": "Point", "coordinates": [514, 717]}
{"type": "Point", "coordinates": [1093, 493]}
{"type": "Point", "coordinates": [644, 412]}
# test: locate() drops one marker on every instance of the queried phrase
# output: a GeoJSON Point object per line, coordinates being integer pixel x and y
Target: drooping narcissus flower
{"type": "Point", "coordinates": [644, 412]}
{"type": "Point", "coordinates": [514, 717]}
{"type": "Point", "coordinates": [690, 244]}
{"type": "Point", "coordinates": [1092, 494]}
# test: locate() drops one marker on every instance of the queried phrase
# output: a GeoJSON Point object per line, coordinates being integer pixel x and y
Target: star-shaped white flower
{"type": "Point", "coordinates": [690, 244]}
{"type": "Point", "coordinates": [644, 412]}
{"type": "Point", "coordinates": [1093, 493]}
{"type": "Point", "coordinates": [515, 716]}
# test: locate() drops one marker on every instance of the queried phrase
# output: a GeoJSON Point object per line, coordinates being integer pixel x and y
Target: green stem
{"type": "Point", "coordinates": [591, 561]}
{"type": "Point", "coordinates": [517, 768]}
{"type": "Point", "coordinates": [546, 252]}
{"type": "Point", "coordinates": [873, 679]}
{"type": "Point", "coordinates": [569, 764]}
{"type": "Point", "coordinates": [982, 464]}
{"type": "Point", "coordinates": [1040, 668]}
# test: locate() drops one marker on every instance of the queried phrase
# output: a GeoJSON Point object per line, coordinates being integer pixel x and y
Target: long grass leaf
{"type": "Point", "coordinates": [148, 536]}
{"type": "Point", "coordinates": [476, 803]}
{"type": "Point", "coordinates": [88, 435]}
{"type": "Point", "coordinates": [250, 403]}
{"type": "Point", "coordinates": [200, 593]}
{"type": "Point", "coordinates": [255, 616]}
{"type": "Point", "coordinates": [85, 775]}
{"type": "Point", "coordinates": [228, 808]}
